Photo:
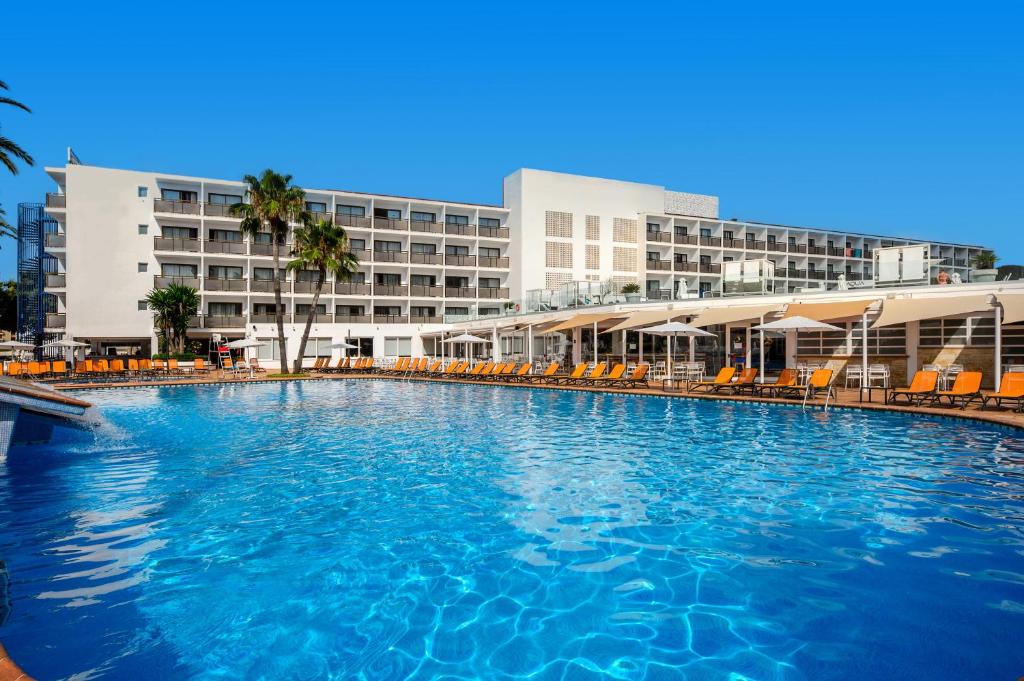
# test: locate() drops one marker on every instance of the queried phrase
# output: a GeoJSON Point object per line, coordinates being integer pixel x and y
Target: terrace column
{"type": "Point", "coordinates": [913, 341]}
{"type": "Point", "coordinates": [529, 343]}
{"type": "Point", "coordinates": [999, 346]}
{"type": "Point", "coordinates": [760, 340]}
{"type": "Point", "coordinates": [595, 342]}
{"type": "Point", "coordinates": [750, 351]}
{"type": "Point", "coordinates": [625, 346]}
{"type": "Point", "coordinates": [864, 351]}
{"type": "Point", "coordinates": [577, 342]}
{"type": "Point", "coordinates": [640, 344]}
{"type": "Point", "coordinates": [495, 344]}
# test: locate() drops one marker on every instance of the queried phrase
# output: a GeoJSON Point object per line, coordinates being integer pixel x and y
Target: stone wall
{"type": "Point", "coordinates": [699, 205]}
{"type": "Point", "coordinates": [973, 359]}
{"type": "Point", "coordinates": [897, 365]}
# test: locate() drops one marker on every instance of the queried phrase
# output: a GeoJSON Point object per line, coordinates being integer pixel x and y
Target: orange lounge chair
{"type": "Point", "coordinates": [117, 366]}
{"type": "Point", "coordinates": [59, 368]}
{"type": "Point", "coordinates": [920, 389]}
{"type": "Point", "coordinates": [965, 389]}
{"type": "Point", "coordinates": [637, 379]}
{"type": "Point", "coordinates": [549, 372]}
{"type": "Point", "coordinates": [821, 379]}
{"type": "Point", "coordinates": [522, 373]}
{"type": "Point", "coordinates": [578, 371]}
{"type": "Point", "coordinates": [595, 373]}
{"type": "Point", "coordinates": [483, 368]}
{"type": "Point", "coordinates": [460, 368]}
{"type": "Point", "coordinates": [146, 365]}
{"type": "Point", "coordinates": [15, 369]}
{"type": "Point", "coordinates": [199, 365]}
{"type": "Point", "coordinates": [724, 377]}
{"type": "Point", "coordinates": [744, 382]}
{"type": "Point", "coordinates": [399, 366]}
{"type": "Point", "coordinates": [1011, 389]}
{"type": "Point", "coordinates": [435, 368]}
{"type": "Point", "coordinates": [787, 379]}
{"type": "Point", "coordinates": [608, 379]}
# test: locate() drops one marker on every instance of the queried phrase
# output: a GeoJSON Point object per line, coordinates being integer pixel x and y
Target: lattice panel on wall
{"type": "Point", "coordinates": [593, 228]}
{"type": "Point", "coordinates": [619, 282]}
{"type": "Point", "coordinates": [553, 280]}
{"type": "Point", "coordinates": [558, 224]}
{"type": "Point", "coordinates": [593, 257]}
{"type": "Point", "coordinates": [624, 230]}
{"type": "Point", "coordinates": [557, 254]}
{"type": "Point", "coordinates": [624, 259]}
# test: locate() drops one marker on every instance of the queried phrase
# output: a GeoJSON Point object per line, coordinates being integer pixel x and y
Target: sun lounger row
{"type": "Point", "coordinates": [966, 389]}
{"type": "Point", "coordinates": [103, 367]}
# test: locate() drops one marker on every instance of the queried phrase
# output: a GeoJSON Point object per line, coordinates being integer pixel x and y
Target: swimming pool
{"type": "Point", "coordinates": [384, 529]}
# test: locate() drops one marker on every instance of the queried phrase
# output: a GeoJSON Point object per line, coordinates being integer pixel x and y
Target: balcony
{"type": "Point", "coordinates": [283, 250]}
{"type": "Point", "coordinates": [460, 260]}
{"type": "Point", "coordinates": [711, 241]}
{"type": "Point", "coordinates": [425, 258]}
{"type": "Point", "coordinates": [797, 248]}
{"type": "Point", "coordinates": [493, 232]}
{"type": "Point", "coordinates": [659, 294]}
{"type": "Point", "coordinates": [177, 207]}
{"type": "Point", "coordinates": [426, 319]}
{"type": "Point", "coordinates": [56, 200]}
{"type": "Point", "coordinates": [195, 322]}
{"type": "Point", "coordinates": [776, 247]}
{"type": "Point", "coordinates": [459, 292]}
{"type": "Point", "coordinates": [362, 255]}
{"type": "Point", "coordinates": [418, 291]}
{"type": "Point", "coordinates": [54, 240]}
{"type": "Point", "coordinates": [839, 252]}
{"type": "Point", "coordinates": [489, 292]}
{"type": "Point", "coordinates": [56, 281]}
{"type": "Point", "coordinates": [794, 273]}
{"type": "Point", "coordinates": [710, 268]}
{"type": "Point", "coordinates": [218, 321]}
{"type": "Point", "coordinates": [317, 216]}
{"type": "Point", "coordinates": [352, 318]}
{"type": "Point", "coordinates": [659, 265]}
{"type": "Point", "coordinates": [659, 236]}
{"type": "Point", "coordinates": [160, 281]}
{"type": "Point", "coordinates": [816, 274]}
{"type": "Point", "coordinates": [266, 318]}
{"type": "Point", "coordinates": [687, 239]}
{"type": "Point", "coordinates": [423, 226]}
{"type": "Point", "coordinates": [756, 245]}
{"type": "Point", "coordinates": [306, 287]}
{"type": "Point", "coordinates": [357, 221]}
{"type": "Point", "coordinates": [267, 286]}
{"type": "Point", "coordinates": [348, 288]}
{"type": "Point", "coordinates": [56, 320]}
{"type": "Point", "coordinates": [390, 290]}
{"type": "Point", "coordinates": [390, 319]}
{"type": "Point", "coordinates": [219, 210]}
{"type": "Point", "coordinates": [167, 243]}
{"type": "Point", "coordinates": [732, 243]}
{"type": "Point", "coordinates": [684, 266]}
{"type": "Point", "coordinates": [391, 256]}
{"type": "Point", "coordinates": [387, 223]}
{"type": "Point", "coordinates": [493, 261]}
{"type": "Point", "coordinates": [460, 230]}
{"type": "Point", "coordinates": [218, 284]}
{"type": "Point", "coordinates": [318, 318]}
{"type": "Point", "coordinates": [816, 250]}
{"type": "Point", "coordinates": [233, 247]}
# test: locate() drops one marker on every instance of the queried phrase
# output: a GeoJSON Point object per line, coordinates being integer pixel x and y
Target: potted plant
{"type": "Point", "coordinates": [984, 266]}
{"type": "Point", "coordinates": [632, 292]}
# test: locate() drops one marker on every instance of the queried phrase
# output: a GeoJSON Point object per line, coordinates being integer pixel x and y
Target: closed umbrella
{"type": "Point", "coordinates": [673, 329]}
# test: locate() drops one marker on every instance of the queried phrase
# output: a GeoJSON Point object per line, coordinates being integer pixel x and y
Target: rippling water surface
{"type": "Point", "coordinates": [388, 530]}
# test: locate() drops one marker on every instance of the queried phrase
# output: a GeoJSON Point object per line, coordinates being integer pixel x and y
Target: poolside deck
{"type": "Point", "coordinates": [847, 398]}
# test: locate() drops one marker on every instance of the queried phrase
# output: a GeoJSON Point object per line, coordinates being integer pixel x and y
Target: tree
{"type": "Point", "coordinates": [322, 246]}
{"type": "Point", "coordinates": [273, 202]}
{"type": "Point", "coordinates": [172, 308]}
{"type": "Point", "coordinates": [9, 306]}
{"type": "Point", "coordinates": [6, 228]}
{"type": "Point", "coordinates": [8, 147]}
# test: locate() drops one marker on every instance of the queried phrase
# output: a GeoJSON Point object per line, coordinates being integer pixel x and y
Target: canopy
{"type": "Point", "coordinates": [1013, 306]}
{"type": "Point", "coordinates": [642, 317]}
{"type": "Point", "coordinates": [343, 345]}
{"type": "Point", "coordinates": [584, 319]}
{"type": "Point", "coordinates": [243, 343]}
{"type": "Point", "coordinates": [65, 343]}
{"type": "Point", "coordinates": [739, 313]}
{"type": "Point", "coordinates": [676, 329]}
{"type": "Point", "coordinates": [465, 338]}
{"type": "Point", "coordinates": [16, 345]}
{"type": "Point", "coordinates": [902, 310]}
{"type": "Point", "coordinates": [797, 323]}
{"type": "Point", "coordinates": [825, 311]}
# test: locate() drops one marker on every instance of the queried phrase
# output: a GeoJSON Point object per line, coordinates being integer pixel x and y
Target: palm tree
{"type": "Point", "coordinates": [9, 148]}
{"type": "Point", "coordinates": [273, 202]}
{"type": "Point", "coordinates": [323, 246]}
{"type": "Point", "coordinates": [172, 308]}
{"type": "Point", "coordinates": [6, 228]}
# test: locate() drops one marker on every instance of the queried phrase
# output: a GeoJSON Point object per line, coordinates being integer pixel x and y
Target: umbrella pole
{"type": "Point", "coordinates": [595, 343]}
{"type": "Point", "coordinates": [761, 341]}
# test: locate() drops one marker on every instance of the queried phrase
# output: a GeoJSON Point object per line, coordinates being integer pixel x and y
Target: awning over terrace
{"type": "Point", "coordinates": [584, 319]}
{"type": "Point", "coordinates": [902, 310]}
{"type": "Point", "coordinates": [1013, 306]}
{"type": "Point", "coordinates": [727, 315]}
{"type": "Point", "coordinates": [645, 317]}
{"type": "Point", "coordinates": [821, 312]}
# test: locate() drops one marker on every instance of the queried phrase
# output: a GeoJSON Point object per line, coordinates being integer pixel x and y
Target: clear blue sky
{"type": "Point", "coordinates": [873, 118]}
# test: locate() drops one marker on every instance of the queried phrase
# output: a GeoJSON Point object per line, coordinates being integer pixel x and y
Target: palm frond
{"type": "Point", "coordinates": [14, 103]}
{"type": "Point", "coordinates": [10, 148]}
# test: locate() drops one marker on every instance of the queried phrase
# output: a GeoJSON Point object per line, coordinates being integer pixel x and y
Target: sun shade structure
{"type": "Point", "coordinates": [242, 343]}
{"type": "Point", "coordinates": [902, 310]}
{"type": "Point", "coordinates": [644, 317]}
{"type": "Point", "coordinates": [584, 319]}
{"type": "Point", "coordinates": [343, 345]}
{"type": "Point", "coordinates": [797, 324]}
{"type": "Point", "coordinates": [16, 345]}
{"type": "Point", "coordinates": [673, 329]}
{"type": "Point", "coordinates": [465, 338]}
{"type": "Point", "coordinates": [65, 343]}
{"type": "Point", "coordinates": [1013, 306]}
{"type": "Point", "coordinates": [827, 311]}
{"type": "Point", "coordinates": [727, 315]}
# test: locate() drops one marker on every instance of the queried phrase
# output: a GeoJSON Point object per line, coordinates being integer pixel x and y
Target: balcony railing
{"type": "Point", "coordinates": [425, 258]}
{"type": "Point", "coordinates": [494, 261]}
{"type": "Point", "coordinates": [56, 281]}
{"type": "Point", "coordinates": [56, 200]}
{"type": "Point", "coordinates": [423, 226]}
{"type": "Point", "coordinates": [684, 266]}
{"type": "Point", "coordinates": [306, 286]}
{"type": "Point", "coordinates": [460, 260]}
{"type": "Point", "coordinates": [267, 286]}
{"type": "Point", "coordinates": [390, 256]}
{"type": "Point", "coordinates": [732, 243]}
{"type": "Point", "coordinates": [219, 321]}
{"type": "Point", "coordinates": [797, 248]}
{"type": "Point", "coordinates": [710, 241]}
{"type": "Point", "coordinates": [660, 265]}
{"type": "Point", "coordinates": [459, 230]}
{"type": "Point", "coordinates": [348, 288]}
{"type": "Point", "coordinates": [318, 318]}
{"type": "Point", "coordinates": [659, 294]}
{"type": "Point", "coordinates": [794, 273]}
{"type": "Point", "coordinates": [660, 236]}
{"type": "Point", "coordinates": [816, 274]}
{"type": "Point", "coordinates": [425, 319]}
{"type": "Point", "coordinates": [56, 240]}
{"type": "Point", "coordinates": [357, 221]}
{"type": "Point", "coordinates": [283, 250]}
{"type": "Point", "coordinates": [266, 318]}
{"type": "Point", "coordinates": [710, 268]}
{"type": "Point", "coordinates": [219, 210]}
{"type": "Point", "coordinates": [390, 290]}
{"type": "Point", "coordinates": [179, 207]}
{"type": "Point", "coordinates": [160, 281]}
{"type": "Point", "coordinates": [195, 322]}
{"type": "Point", "coordinates": [493, 232]}
{"type": "Point", "coordinates": [217, 246]}
{"type": "Point", "coordinates": [816, 250]}
{"type": "Point", "coordinates": [756, 245]}
{"type": "Point", "coordinates": [362, 254]}
{"type": "Point", "coordinates": [56, 320]}
{"type": "Point", "coordinates": [317, 216]}
{"type": "Point", "coordinates": [344, 318]}
{"type": "Point", "coordinates": [420, 291]}
{"type": "Point", "coordinates": [225, 284]}
{"type": "Point", "coordinates": [390, 319]}
{"type": "Point", "coordinates": [459, 292]}
{"type": "Point", "coordinates": [838, 252]}
{"type": "Point", "coordinates": [388, 223]}
{"type": "Point", "coordinates": [776, 246]}
{"type": "Point", "coordinates": [489, 292]}
{"type": "Point", "coordinates": [688, 239]}
{"type": "Point", "coordinates": [168, 243]}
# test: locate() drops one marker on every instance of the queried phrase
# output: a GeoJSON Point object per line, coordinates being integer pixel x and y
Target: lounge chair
{"type": "Point", "coordinates": [434, 369]}
{"type": "Point", "coordinates": [965, 389]}
{"type": "Point", "coordinates": [615, 374]}
{"type": "Point", "coordinates": [58, 368]}
{"type": "Point", "coordinates": [637, 379]}
{"type": "Point", "coordinates": [821, 379]}
{"type": "Point", "coordinates": [145, 365]}
{"type": "Point", "coordinates": [399, 367]}
{"type": "Point", "coordinates": [920, 389]}
{"type": "Point", "coordinates": [481, 369]}
{"type": "Point", "coordinates": [117, 366]}
{"type": "Point", "coordinates": [549, 372]}
{"type": "Point", "coordinates": [744, 382]}
{"type": "Point", "coordinates": [15, 369]}
{"type": "Point", "coordinates": [588, 379]}
{"type": "Point", "coordinates": [578, 372]}
{"type": "Point", "coordinates": [724, 377]}
{"type": "Point", "coordinates": [787, 379]}
{"type": "Point", "coordinates": [1011, 389]}
{"type": "Point", "coordinates": [460, 368]}
{"type": "Point", "coordinates": [199, 365]}
{"type": "Point", "coordinates": [504, 373]}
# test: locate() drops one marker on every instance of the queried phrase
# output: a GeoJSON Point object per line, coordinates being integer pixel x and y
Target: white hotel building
{"type": "Point", "coordinates": [424, 263]}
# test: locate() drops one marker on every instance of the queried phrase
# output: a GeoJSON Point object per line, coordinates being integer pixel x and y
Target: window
{"type": "Point", "coordinates": [182, 195]}
{"type": "Point", "coordinates": [387, 278]}
{"type": "Point", "coordinates": [143, 192]}
{"type": "Point", "coordinates": [357, 278]}
{"type": "Point", "coordinates": [681, 230]}
{"type": "Point", "coordinates": [558, 224]}
{"type": "Point", "coordinates": [423, 280]}
{"type": "Point", "coordinates": [489, 222]}
{"type": "Point", "coordinates": [223, 199]}
{"type": "Point", "coordinates": [357, 244]}
{"type": "Point", "coordinates": [349, 310]}
{"type": "Point", "coordinates": [457, 311]}
{"type": "Point", "coordinates": [592, 224]}
{"type": "Point", "coordinates": [143, 267]}
{"type": "Point", "coordinates": [306, 275]}
{"type": "Point", "coordinates": [387, 213]}
{"type": "Point", "coordinates": [269, 350]}
{"type": "Point", "coordinates": [354, 211]}
{"type": "Point", "coordinates": [887, 340]}
{"type": "Point", "coordinates": [705, 232]}
{"type": "Point", "coordinates": [653, 227]}
{"type": "Point", "coordinates": [225, 309]}
{"type": "Point", "coordinates": [771, 239]}
{"type": "Point", "coordinates": [458, 220]}
{"type": "Point", "coordinates": [397, 347]}
{"type": "Point", "coordinates": [265, 309]}
{"type": "Point", "coordinates": [143, 229]}
{"type": "Point", "coordinates": [429, 249]}
{"type": "Point", "coordinates": [727, 235]}
{"type": "Point", "coordinates": [387, 246]}
{"type": "Point", "coordinates": [316, 207]}
{"type": "Point", "coordinates": [224, 272]}
{"type": "Point", "coordinates": [456, 282]}
{"type": "Point", "coordinates": [750, 238]}
{"type": "Point", "coordinates": [624, 230]}
{"type": "Point", "coordinates": [302, 309]}
{"type": "Point", "coordinates": [225, 235]}
{"type": "Point", "coordinates": [318, 347]}
{"type": "Point", "coordinates": [972, 331]}
{"type": "Point", "coordinates": [792, 241]}
{"type": "Point", "coordinates": [420, 216]}
{"type": "Point", "coordinates": [179, 232]}
{"type": "Point", "coordinates": [485, 252]}
{"type": "Point", "coordinates": [705, 260]}
{"type": "Point", "coordinates": [652, 256]}
{"type": "Point", "coordinates": [456, 250]}
{"type": "Point", "coordinates": [178, 270]}
{"type": "Point", "coordinates": [681, 257]}
{"type": "Point", "coordinates": [143, 305]}
{"type": "Point", "coordinates": [267, 273]}
{"type": "Point", "coordinates": [486, 311]}
{"type": "Point", "coordinates": [489, 282]}
{"type": "Point", "coordinates": [422, 311]}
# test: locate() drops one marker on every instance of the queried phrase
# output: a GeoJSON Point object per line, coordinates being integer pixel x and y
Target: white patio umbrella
{"type": "Point", "coordinates": [673, 329]}
{"type": "Point", "coordinates": [794, 323]}
{"type": "Point", "coordinates": [244, 344]}
{"type": "Point", "coordinates": [466, 338]}
{"type": "Point", "coordinates": [69, 344]}
{"type": "Point", "coordinates": [16, 346]}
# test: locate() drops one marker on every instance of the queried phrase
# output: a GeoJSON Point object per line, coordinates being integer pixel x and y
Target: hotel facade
{"type": "Point", "coordinates": [426, 265]}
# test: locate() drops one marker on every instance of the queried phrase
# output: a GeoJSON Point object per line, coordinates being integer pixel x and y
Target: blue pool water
{"type": "Point", "coordinates": [386, 530]}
